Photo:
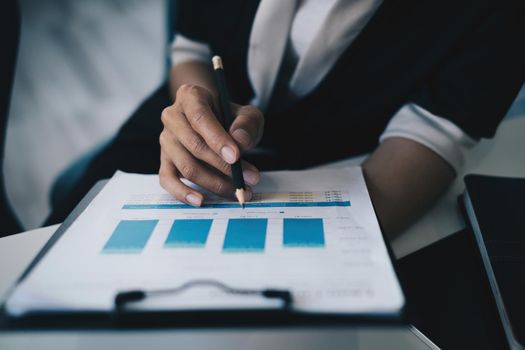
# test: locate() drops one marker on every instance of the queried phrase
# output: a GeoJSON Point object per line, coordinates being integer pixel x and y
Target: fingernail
{"type": "Point", "coordinates": [194, 200]}
{"type": "Point", "coordinates": [251, 177]}
{"type": "Point", "coordinates": [228, 154]}
{"type": "Point", "coordinates": [242, 137]}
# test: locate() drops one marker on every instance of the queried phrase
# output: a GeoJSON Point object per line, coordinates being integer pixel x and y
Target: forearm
{"type": "Point", "coordinates": [404, 179]}
{"type": "Point", "coordinates": [191, 72]}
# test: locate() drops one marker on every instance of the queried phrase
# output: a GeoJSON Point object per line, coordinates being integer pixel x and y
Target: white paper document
{"type": "Point", "coordinates": [313, 233]}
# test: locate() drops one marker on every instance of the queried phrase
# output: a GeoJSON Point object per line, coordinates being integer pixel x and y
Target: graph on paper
{"type": "Point", "coordinates": [240, 234]}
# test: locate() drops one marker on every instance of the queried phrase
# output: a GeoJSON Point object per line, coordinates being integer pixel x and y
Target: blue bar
{"type": "Point", "coordinates": [235, 205]}
{"type": "Point", "coordinates": [303, 233]}
{"type": "Point", "coordinates": [130, 236]}
{"type": "Point", "coordinates": [245, 235]}
{"type": "Point", "coordinates": [189, 233]}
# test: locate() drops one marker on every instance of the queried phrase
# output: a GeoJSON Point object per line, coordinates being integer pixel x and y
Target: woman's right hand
{"type": "Point", "coordinates": [195, 146]}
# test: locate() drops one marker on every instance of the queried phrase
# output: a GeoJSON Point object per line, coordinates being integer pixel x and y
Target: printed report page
{"type": "Point", "coordinates": [313, 233]}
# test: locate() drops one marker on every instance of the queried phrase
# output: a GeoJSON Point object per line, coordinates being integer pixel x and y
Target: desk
{"type": "Point", "coordinates": [501, 156]}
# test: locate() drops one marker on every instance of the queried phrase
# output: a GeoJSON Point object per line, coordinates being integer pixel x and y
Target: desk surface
{"type": "Point", "coordinates": [500, 156]}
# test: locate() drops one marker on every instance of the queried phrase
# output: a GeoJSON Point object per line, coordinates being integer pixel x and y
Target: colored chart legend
{"type": "Point", "coordinates": [130, 236]}
{"type": "Point", "coordinates": [259, 200]}
{"type": "Point", "coordinates": [189, 233]}
{"type": "Point", "coordinates": [245, 235]}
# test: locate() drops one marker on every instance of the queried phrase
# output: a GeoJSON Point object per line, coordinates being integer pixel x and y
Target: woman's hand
{"type": "Point", "coordinates": [195, 146]}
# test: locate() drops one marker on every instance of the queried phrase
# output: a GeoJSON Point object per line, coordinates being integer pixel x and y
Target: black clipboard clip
{"type": "Point", "coordinates": [124, 298]}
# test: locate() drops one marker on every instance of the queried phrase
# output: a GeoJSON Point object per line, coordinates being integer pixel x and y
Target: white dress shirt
{"type": "Point", "coordinates": [318, 32]}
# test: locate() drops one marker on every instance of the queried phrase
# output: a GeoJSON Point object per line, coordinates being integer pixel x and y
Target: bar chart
{"type": "Point", "coordinates": [241, 235]}
{"type": "Point", "coordinates": [294, 221]}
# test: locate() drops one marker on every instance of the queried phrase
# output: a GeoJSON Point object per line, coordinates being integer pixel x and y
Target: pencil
{"type": "Point", "coordinates": [227, 120]}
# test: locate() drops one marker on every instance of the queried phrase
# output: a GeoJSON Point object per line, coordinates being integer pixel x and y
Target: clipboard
{"type": "Point", "coordinates": [181, 318]}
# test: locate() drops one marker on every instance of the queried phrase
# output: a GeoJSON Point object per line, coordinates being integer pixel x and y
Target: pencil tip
{"type": "Point", "coordinates": [239, 193]}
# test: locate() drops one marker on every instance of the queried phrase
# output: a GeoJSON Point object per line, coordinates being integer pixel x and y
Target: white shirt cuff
{"type": "Point", "coordinates": [438, 134]}
{"type": "Point", "coordinates": [185, 50]}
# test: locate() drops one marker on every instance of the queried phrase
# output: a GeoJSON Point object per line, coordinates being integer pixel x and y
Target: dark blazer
{"type": "Point", "coordinates": [463, 60]}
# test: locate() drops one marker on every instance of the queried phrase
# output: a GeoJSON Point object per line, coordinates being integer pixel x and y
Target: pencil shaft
{"type": "Point", "coordinates": [238, 179]}
{"type": "Point", "coordinates": [227, 120]}
{"type": "Point", "coordinates": [224, 99]}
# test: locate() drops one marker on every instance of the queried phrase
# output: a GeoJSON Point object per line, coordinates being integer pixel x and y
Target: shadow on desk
{"type": "Point", "coordinates": [449, 296]}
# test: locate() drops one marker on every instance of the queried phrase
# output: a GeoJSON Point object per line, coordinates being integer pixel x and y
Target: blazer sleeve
{"type": "Point", "coordinates": [476, 84]}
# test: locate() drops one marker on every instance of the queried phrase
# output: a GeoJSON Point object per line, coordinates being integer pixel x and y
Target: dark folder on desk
{"type": "Point", "coordinates": [495, 208]}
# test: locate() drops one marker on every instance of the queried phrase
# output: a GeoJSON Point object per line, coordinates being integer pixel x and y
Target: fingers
{"type": "Point", "coordinates": [196, 106]}
{"type": "Point", "coordinates": [194, 145]}
{"type": "Point", "coordinates": [181, 131]}
{"type": "Point", "coordinates": [247, 128]}
{"type": "Point", "coordinates": [250, 173]}
{"type": "Point", "coordinates": [170, 181]}
{"type": "Point", "coordinates": [190, 168]}
{"type": "Point", "coordinates": [196, 172]}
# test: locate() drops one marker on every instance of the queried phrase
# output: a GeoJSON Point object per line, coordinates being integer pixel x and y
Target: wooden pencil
{"type": "Point", "coordinates": [227, 120]}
